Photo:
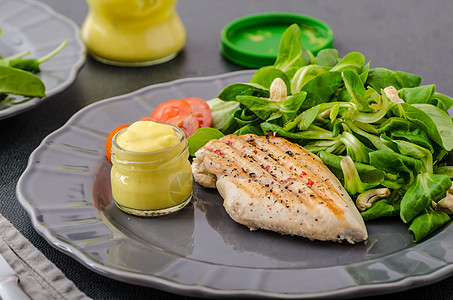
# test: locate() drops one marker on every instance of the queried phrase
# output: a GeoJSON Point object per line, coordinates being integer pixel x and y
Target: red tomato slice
{"type": "Point", "coordinates": [171, 112]}
{"type": "Point", "coordinates": [201, 110]}
{"type": "Point", "coordinates": [108, 142]}
{"type": "Point", "coordinates": [189, 125]}
{"type": "Point", "coordinates": [177, 112]}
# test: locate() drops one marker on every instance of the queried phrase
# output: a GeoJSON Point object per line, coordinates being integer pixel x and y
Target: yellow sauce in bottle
{"type": "Point", "coordinates": [133, 32]}
{"type": "Point", "coordinates": [151, 173]}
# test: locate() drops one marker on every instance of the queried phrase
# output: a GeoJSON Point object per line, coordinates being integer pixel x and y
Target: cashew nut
{"type": "Point", "coordinates": [446, 204]}
{"type": "Point", "coordinates": [278, 90]}
{"type": "Point", "coordinates": [367, 198]}
{"type": "Point", "coordinates": [392, 94]}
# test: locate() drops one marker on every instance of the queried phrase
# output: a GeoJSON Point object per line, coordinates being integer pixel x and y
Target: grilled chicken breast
{"type": "Point", "coordinates": [271, 183]}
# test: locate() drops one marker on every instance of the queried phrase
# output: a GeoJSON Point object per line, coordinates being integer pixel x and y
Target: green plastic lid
{"type": "Point", "coordinates": [253, 41]}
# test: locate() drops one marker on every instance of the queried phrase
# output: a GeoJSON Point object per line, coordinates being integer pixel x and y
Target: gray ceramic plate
{"type": "Point", "coordinates": [32, 26]}
{"type": "Point", "coordinates": [200, 251]}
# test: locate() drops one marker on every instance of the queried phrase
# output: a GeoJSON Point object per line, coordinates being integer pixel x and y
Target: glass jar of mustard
{"type": "Point", "coordinates": [151, 183]}
{"type": "Point", "coordinates": [133, 32]}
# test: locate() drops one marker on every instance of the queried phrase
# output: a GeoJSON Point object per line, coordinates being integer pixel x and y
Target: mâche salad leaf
{"type": "Point", "coordinates": [427, 187]}
{"type": "Point", "coordinates": [375, 128]}
{"type": "Point", "coordinates": [291, 53]}
{"type": "Point", "coordinates": [201, 137]}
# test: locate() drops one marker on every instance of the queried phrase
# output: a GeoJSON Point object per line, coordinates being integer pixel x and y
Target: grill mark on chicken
{"type": "Point", "coordinates": [291, 174]}
{"type": "Point", "coordinates": [314, 164]}
{"type": "Point", "coordinates": [267, 172]}
{"type": "Point", "coordinates": [223, 157]}
{"type": "Point", "coordinates": [266, 206]}
{"type": "Point", "coordinates": [312, 171]}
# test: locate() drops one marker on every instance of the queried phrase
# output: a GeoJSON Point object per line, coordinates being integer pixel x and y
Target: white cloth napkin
{"type": "Point", "coordinates": [38, 276]}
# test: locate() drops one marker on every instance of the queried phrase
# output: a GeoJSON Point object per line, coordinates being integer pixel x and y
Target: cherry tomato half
{"type": "Point", "coordinates": [108, 142]}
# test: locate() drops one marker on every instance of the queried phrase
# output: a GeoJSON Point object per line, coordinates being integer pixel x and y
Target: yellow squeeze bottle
{"type": "Point", "coordinates": [133, 32]}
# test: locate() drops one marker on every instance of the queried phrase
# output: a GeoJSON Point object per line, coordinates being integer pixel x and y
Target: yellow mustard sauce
{"type": "Point", "coordinates": [133, 32]}
{"type": "Point", "coordinates": [151, 173]}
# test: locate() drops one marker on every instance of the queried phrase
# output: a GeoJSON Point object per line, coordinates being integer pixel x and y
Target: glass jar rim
{"type": "Point", "coordinates": [177, 129]}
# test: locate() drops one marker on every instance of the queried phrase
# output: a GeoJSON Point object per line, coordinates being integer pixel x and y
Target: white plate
{"type": "Point", "coordinates": [200, 251]}
{"type": "Point", "coordinates": [32, 26]}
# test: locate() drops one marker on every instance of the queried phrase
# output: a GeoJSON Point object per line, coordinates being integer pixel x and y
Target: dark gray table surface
{"type": "Point", "coordinates": [410, 35]}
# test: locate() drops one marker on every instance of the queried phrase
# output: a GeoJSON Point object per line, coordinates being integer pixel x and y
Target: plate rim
{"type": "Point", "coordinates": [197, 290]}
{"type": "Point", "coordinates": [74, 69]}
